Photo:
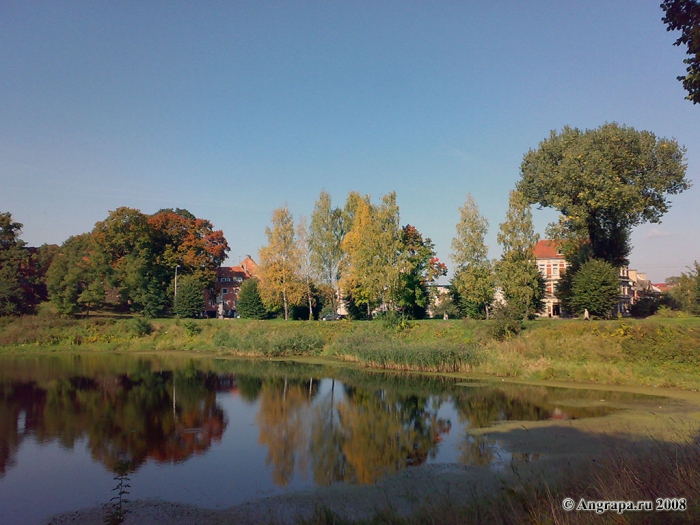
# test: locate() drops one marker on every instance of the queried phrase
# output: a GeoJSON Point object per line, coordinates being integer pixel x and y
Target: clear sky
{"type": "Point", "coordinates": [231, 109]}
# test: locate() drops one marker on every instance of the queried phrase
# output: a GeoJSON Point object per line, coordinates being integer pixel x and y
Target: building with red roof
{"type": "Point", "coordinates": [552, 265]}
{"type": "Point", "coordinates": [228, 285]}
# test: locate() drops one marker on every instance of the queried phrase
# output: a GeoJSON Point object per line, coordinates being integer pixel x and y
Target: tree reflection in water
{"type": "Point", "coordinates": [352, 427]}
{"type": "Point", "coordinates": [362, 437]}
{"type": "Point", "coordinates": [127, 419]}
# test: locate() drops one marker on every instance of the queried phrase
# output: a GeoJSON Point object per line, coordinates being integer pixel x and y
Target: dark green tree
{"type": "Point", "coordinates": [77, 278]}
{"type": "Point", "coordinates": [684, 15]}
{"type": "Point", "coordinates": [595, 287]}
{"type": "Point", "coordinates": [604, 182]}
{"type": "Point", "coordinates": [13, 257]}
{"type": "Point", "coordinates": [190, 296]}
{"type": "Point", "coordinates": [419, 267]}
{"type": "Point", "coordinates": [250, 305]}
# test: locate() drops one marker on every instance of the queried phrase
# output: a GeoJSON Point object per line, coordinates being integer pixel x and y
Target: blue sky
{"type": "Point", "coordinates": [232, 109]}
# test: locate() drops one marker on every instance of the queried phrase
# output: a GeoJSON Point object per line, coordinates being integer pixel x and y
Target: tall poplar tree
{"type": "Point", "coordinates": [517, 274]}
{"type": "Point", "coordinates": [280, 285]}
{"type": "Point", "coordinates": [326, 233]}
{"type": "Point", "coordinates": [473, 278]}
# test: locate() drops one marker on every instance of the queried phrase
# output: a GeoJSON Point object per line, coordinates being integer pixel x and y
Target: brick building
{"type": "Point", "coordinates": [228, 284]}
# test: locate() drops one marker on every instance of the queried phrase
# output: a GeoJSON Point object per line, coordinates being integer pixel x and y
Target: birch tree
{"type": "Point", "coordinates": [305, 267]}
{"type": "Point", "coordinates": [372, 247]}
{"type": "Point", "coordinates": [280, 285]}
{"type": "Point", "coordinates": [326, 233]}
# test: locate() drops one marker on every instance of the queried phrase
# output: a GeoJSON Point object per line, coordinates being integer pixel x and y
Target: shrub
{"type": "Point", "coordinates": [223, 339]}
{"type": "Point", "coordinates": [506, 322]}
{"type": "Point", "coordinates": [395, 321]}
{"type": "Point", "coordinates": [191, 328]}
{"type": "Point", "coordinates": [140, 326]}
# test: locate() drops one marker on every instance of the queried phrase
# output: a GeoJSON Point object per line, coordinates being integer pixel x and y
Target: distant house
{"type": "Point", "coordinates": [551, 263]}
{"type": "Point", "coordinates": [227, 286]}
{"type": "Point", "coordinates": [633, 284]}
{"type": "Point", "coordinates": [643, 288]}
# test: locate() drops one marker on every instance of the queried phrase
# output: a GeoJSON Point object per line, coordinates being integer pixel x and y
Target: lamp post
{"type": "Point", "coordinates": [176, 267]}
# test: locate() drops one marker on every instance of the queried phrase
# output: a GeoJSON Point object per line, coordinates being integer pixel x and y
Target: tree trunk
{"type": "Point", "coordinates": [311, 307]}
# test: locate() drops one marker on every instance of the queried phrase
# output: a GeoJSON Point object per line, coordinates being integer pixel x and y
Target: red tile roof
{"type": "Point", "coordinates": [547, 249]}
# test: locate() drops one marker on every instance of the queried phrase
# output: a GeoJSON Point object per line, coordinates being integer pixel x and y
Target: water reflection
{"type": "Point", "coordinates": [127, 419]}
{"type": "Point", "coordinates": [312, 426]}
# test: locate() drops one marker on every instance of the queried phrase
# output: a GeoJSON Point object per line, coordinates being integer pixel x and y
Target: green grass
{"type": "Point", "coordinates": [651, 352]}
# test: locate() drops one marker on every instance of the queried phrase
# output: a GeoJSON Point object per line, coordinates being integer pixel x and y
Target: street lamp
{"type": "Point", "coordinates": [176, 267]}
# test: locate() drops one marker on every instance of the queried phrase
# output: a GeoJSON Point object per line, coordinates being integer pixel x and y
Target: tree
{"type": "Point", "coordinates": [249, 304]}
{"type": "Point", "coordinates": [280, 285]}
{"type": "Point", "coordinates": [473, 278]}
{"type": "Point", "coordinates": [419, 267]}
{"type": "Point", "coordinates": [604, 182]}
{"type": "Point", "coordinates": [74, 271]}
{"type": "Point", "coordinates": [129, 260]}
{"type": "Point", "coordinates": [685, 291]}
{"type": "Point", "coordinates": [124, 244]}
{"type": "Point", "coordinates": [190, 296]}
{"type": "Point", "coordinates": [516, 272]}
{"type": "Point", "coordinates": [305, 266]}
{"type": "Point", "coordinates": [596, 288]}
{"type": "Point", "coordinates": [372, 247]}
{"type": "Point", "coordinates": [179, 238]}
{"type": "Point", "coordinates": [684, 15]}
{"type": "Point", "coordinates": [12, 258]}
{"type": "Point", "coordinates": [326, 233]}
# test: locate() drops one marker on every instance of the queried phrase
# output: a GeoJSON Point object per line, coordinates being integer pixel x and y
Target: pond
{"type": "Point", "coordinates": [80, 431]}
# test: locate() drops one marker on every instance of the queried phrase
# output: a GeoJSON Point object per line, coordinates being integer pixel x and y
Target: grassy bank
{"type": "Point", "coordinates": [653, 352]}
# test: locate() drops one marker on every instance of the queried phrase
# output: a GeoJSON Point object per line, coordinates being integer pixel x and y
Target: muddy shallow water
{"type": "Point", "coordinates": [164, 440]}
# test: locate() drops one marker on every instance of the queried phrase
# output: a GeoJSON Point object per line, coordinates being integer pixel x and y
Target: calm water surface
{"type": "Point", "coordinates": [83, 431]}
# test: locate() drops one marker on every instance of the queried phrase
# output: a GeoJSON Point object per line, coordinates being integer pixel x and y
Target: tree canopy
{"type": "Point", "coordinates": [604, 182]}
{"type": "Point", "coordinates": [684, 15]}
{"type": "Point", "coordinates": [129, 260]}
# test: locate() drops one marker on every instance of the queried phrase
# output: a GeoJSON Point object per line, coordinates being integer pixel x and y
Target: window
{"type": "Point", "coordinates": [224, 291]}
{"type": "Point", "coordinates": [225, 279]}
